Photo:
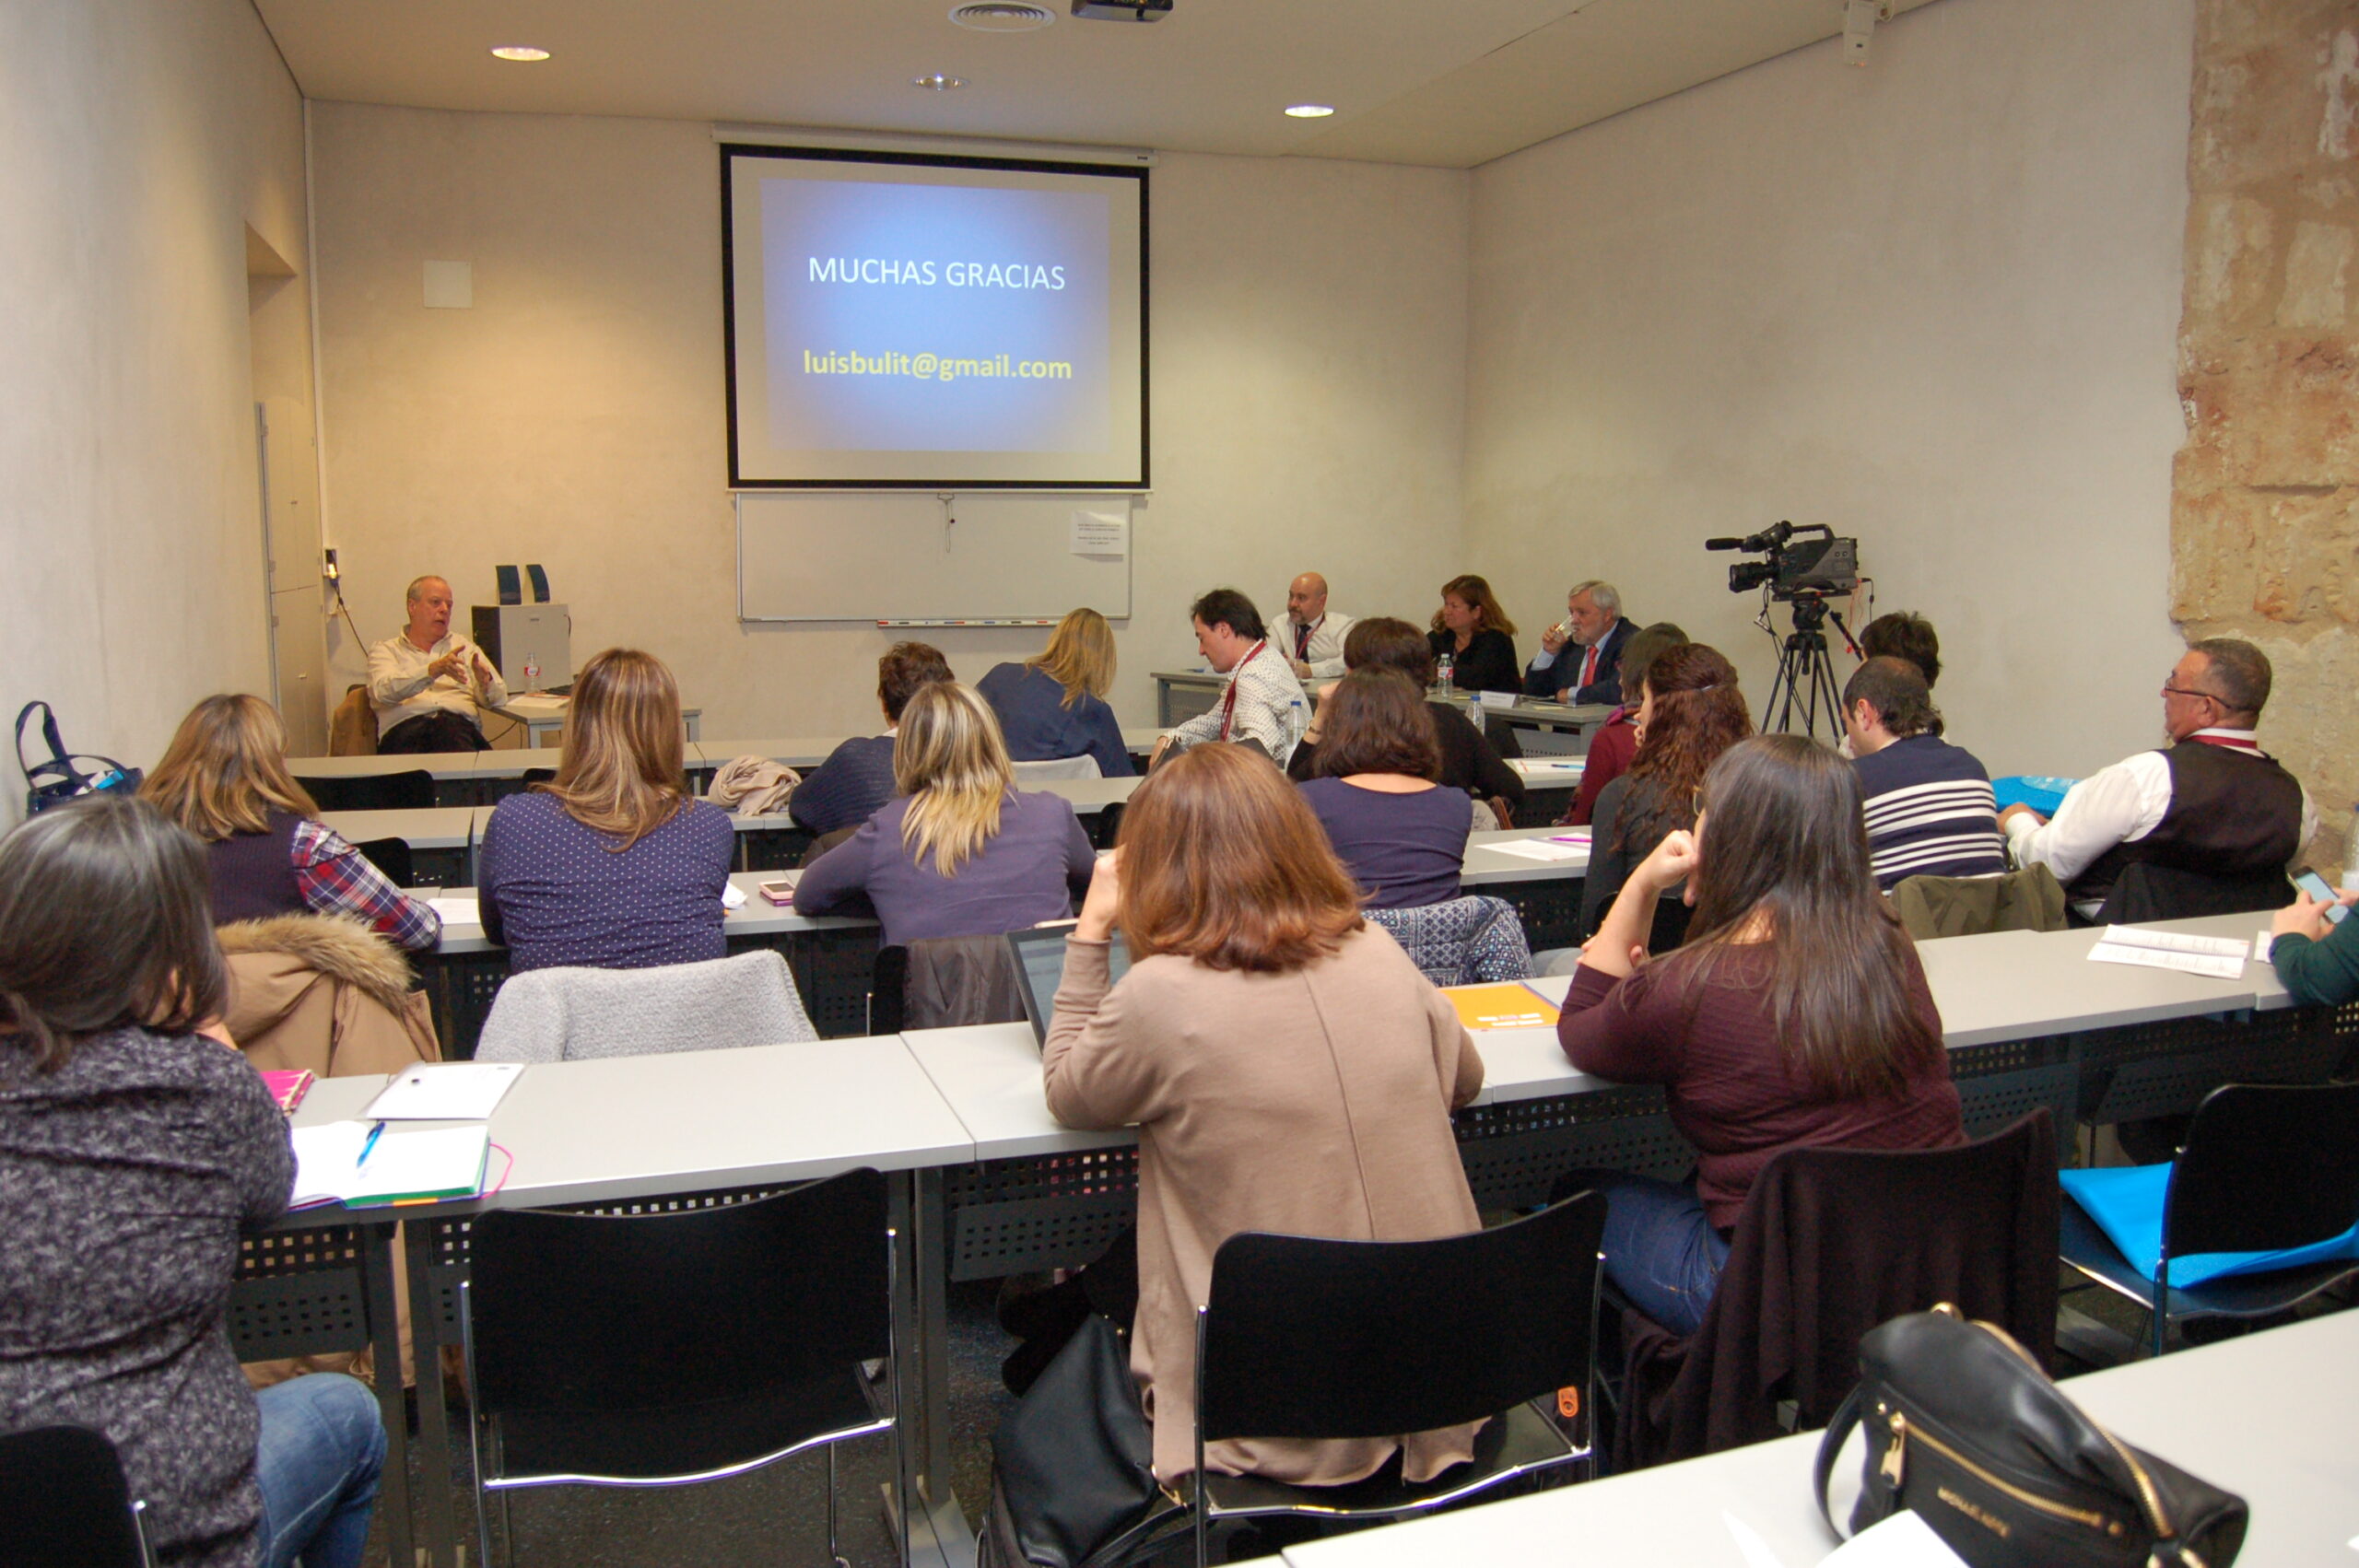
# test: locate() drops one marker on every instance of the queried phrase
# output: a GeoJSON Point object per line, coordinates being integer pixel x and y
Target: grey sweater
{"type": "Point", "coordinates": [129, 1175]}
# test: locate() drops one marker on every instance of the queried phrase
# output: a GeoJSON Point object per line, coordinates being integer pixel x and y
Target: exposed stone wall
{"type": "Point", "coordinates": [2265, 494]}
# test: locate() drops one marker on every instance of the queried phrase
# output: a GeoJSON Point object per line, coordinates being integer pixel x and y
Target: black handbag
{"type": "Point", "coordinates": [1074, 1471]}
{"type": "Point", "coordinates": [56, 780]}
{"type": "Point", "coordinates": [1965, 1429]}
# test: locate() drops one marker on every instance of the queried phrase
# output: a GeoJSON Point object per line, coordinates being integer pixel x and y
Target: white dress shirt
{"type": "Point", "coordinates": [400, 688]}
{"type": "Point", "coordinates": [1266, 691]}
{"type": "Point", "coordinates": [1326, 655]}
{"type": "Point", "coordinates": [2115, 805]}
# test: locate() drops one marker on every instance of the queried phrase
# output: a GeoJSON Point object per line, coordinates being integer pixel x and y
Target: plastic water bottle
{"type": "Point", "coordinates": [1446, 671]}
{"type": "Point", "coordinates": [2351, 853]}
{"type": "Point", "coordinates": [532, 673]}
{"type": "Point", "coordinates": [1297, 724]}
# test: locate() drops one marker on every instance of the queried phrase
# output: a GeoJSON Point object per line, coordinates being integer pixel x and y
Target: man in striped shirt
{"type": "Point", "coordinates": [1930, 811]}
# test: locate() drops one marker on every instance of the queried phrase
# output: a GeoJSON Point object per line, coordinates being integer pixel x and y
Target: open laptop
{"type": "Point", "coordinates": [1040, 968]}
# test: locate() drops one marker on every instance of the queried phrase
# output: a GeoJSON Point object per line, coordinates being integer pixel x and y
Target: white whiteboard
{"type": "Point", "coordinates": [910, 556]}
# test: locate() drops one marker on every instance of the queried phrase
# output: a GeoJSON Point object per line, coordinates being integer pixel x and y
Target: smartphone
{"type": "Point", "coordinates": [778, 892]}
{"type": "Point", "coordinates": [2314, 885]}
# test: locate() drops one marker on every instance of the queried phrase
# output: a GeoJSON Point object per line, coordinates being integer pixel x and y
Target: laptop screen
{"type": "Point", "coordinates": [1040, 964]}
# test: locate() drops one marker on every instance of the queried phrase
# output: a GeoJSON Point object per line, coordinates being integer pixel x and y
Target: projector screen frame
{"type": "Point", "coordinates": [732, 150]}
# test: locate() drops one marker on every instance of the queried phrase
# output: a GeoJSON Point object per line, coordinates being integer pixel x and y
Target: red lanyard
{"type": "Point", "coordinates": [1228, 703]}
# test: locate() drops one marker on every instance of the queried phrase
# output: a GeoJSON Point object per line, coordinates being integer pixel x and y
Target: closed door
{"type": "Point", "coordinates": [291, 588]}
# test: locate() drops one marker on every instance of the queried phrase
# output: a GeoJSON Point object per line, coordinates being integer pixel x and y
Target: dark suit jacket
{"type": "Point", "coordinates": [1558, 676]}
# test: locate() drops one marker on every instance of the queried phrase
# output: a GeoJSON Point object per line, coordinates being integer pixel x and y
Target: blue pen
{"type": "Point", "coordinates": [368, 1144]}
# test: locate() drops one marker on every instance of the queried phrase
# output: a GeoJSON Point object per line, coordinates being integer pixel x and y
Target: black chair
{"type": "Point", "coordinates": [2144, 892]}
{"type": "Point", "coordinates": [412, 790]}
{"type": "Point", "coordinates": [392, 857]}
{"type": "Point", "coordinates": [889, 986]}
{"type": "Point", "coordinates": [1311, 1339]}
{"type": "Point", "coordinates": [669, 1348]}
{"type": "Point", "coordinates": [2266, 1167]}
{"type": "Point", "coordinates": [533, 776]}
{"type": "Point", "coordinates": [63, 1502]}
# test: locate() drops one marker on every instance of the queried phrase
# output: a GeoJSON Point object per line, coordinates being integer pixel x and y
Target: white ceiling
{"type": "Point", "coordinates": [1451, 83]}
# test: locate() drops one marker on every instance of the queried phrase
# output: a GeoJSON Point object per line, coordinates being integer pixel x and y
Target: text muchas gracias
{"type": "Point", "coordinates": [925, 273]}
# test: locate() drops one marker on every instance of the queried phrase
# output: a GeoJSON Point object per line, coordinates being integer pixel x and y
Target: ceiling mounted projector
{"type": "Point", "coordinates": [1122, 10]}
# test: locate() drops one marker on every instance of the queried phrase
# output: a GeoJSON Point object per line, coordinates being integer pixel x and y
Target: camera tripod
{"type": "Point", "coordinates": [1805, 672]}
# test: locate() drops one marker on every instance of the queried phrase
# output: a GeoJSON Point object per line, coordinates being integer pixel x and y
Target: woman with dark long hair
{"type": "Point", "coordinates": [137, 1147]}
{"type": "Point", "coordinates": [1796, 1014]}
{"type": "Point", "coordinates": [1689, 712]}
{"type": "Point", "coordinates": [1475, 636]}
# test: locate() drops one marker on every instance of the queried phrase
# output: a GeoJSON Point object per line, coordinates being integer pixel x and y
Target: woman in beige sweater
{"type": "Point", "coordinates": [1288, 1069]}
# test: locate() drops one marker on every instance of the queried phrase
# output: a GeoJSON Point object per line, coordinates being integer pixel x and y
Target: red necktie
{"type": "Point", "coordinates": [1588, 666]}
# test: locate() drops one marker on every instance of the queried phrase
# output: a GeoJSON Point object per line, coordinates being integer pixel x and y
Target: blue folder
{"type": "Point", "coordinates": [2127, 1203]}
{"type": "Point", "coordinates": [2039, 791]}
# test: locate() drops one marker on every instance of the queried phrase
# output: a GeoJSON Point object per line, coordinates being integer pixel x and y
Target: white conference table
{"type": "Point", "coordinates": [2008, 985]}
{"type": "Point", "coordinates": [804, 752]}
{"type": "Point", "coordinates": [422, 828]}
{"type": "Point", "coordinates": [497, 763]}
{"type": "Point", "coordinates": [631, 1128]}
{"type": "Point", "coordinates": [758, 917]}
{"type": "Point", "coordinates": [2265, 1416]}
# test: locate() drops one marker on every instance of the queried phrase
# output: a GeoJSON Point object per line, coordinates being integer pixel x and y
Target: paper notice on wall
{"type": "Point", "coordinates": [1101, 533]}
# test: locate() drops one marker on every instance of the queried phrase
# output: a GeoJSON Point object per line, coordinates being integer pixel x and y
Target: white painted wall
{"type": "Point", "coordinates": [1932, 302]}
{"type": "Point", "coordinates": [138, 138]}
{"type": "Point", "coordinates": [1307, 362]}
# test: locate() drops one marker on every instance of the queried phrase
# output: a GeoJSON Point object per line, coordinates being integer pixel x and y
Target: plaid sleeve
{"type": "Point", "coordinates": [337, 879]}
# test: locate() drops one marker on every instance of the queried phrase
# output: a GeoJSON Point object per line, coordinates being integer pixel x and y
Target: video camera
{"type": "Point", "coordinates": [1812, 569]}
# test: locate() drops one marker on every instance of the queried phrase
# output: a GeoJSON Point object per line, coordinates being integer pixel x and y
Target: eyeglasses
{"type": "Point", "coordinates": [2169, 690]}
{"type": "Point", "coordinates": [1695, 801]}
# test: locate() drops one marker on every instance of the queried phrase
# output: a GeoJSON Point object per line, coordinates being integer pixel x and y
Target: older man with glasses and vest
{"type": "Point", "coordinates": [2212, 802]}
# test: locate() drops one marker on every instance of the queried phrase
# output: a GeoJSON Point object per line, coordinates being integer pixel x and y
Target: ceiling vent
{"type": "Point", "coordinates": [1001, 16]}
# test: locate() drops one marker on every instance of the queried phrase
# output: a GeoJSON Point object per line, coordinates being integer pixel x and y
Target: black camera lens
{"type": "Point", "coordinates": [1747, 575]}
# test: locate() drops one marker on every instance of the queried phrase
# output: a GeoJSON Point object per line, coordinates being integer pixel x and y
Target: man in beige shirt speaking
{"type": "Point", "coordinates": [429, 684]}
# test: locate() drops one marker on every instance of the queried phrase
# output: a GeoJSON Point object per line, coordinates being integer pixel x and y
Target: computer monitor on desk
{"type": "Point", "coordinates": [1041, 968]}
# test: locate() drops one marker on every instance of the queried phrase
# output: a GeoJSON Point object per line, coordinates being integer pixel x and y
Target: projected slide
{"type": "Point", "coordinates": [934, 323]}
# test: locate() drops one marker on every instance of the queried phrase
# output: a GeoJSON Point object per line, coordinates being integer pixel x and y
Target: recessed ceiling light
{"type": "Point", "coordinates": [1001, 16]}
{"type": "Point", "coordinates": [937, 82]}
{"type": "Point", "coordinates": [1310, 111]}
{"type": "Point", "coordinates": [520, 51]}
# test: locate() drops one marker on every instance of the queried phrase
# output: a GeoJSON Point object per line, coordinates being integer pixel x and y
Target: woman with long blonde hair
{"type": "Point", "coordinates": [224, 778]}
{"type": "Point", "coordinates": [1053, 704]}
{"type": "Point", "coordinates": [961, 851]}
{"type": "Point", "coordinates": [612, 864]}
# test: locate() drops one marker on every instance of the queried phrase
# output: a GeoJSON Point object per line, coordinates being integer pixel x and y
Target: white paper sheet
{"type": "Point", "coordinates": [447, 1091]}
{"type": "Point", "coordinates": [2217, 966]}
{"type": "Point", "coordinates": [2176, 942]}
{"type": "Point", "coordinates": [457, 911]}
{"type": "Point", "coordinates": [1899, 1541]}
{"type": "Point", "coordinates": [1540, 848]}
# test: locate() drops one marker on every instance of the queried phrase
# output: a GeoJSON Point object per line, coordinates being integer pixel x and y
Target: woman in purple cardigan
{"type": "Point", "coordinates": [961, 851]}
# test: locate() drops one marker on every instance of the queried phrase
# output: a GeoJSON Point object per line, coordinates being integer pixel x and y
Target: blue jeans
{"type": "Point", "coordinates": [323, 1444]}
{"type": "Point", "coordinates": [1661, 1251]}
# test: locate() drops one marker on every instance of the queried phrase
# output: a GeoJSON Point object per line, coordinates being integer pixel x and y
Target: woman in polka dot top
{"type": "Point", "coordinates": [612, 865]}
